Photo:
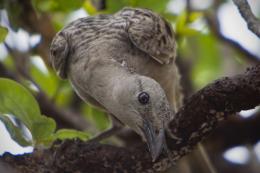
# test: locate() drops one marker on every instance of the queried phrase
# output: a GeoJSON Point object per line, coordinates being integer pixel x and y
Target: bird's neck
{"type": "Point", "coordinates": [106, 80]}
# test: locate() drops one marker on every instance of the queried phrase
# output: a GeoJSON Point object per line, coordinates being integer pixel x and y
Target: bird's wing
{"type": "Point", "coordinates": [150, 33]}
{"type": "Point", "coordinates": [78, 34]}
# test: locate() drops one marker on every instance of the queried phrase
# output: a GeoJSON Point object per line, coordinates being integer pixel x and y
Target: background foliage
{"type": "Point", "coordinates": [204, 54]}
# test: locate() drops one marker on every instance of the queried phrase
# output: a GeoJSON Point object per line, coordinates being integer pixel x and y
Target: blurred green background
{"type": "Point", "coordinates": [207, 50]}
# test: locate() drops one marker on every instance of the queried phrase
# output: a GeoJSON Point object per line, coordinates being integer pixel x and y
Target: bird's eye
{"type": "Point", "coordinates": [143, 98]}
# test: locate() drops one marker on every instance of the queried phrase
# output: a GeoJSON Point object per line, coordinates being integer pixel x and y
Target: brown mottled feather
{"type": "Point", "coordinates": [135, 38]}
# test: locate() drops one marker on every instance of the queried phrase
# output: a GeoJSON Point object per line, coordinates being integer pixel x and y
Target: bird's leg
{"type": "Point", "coordinates": [116, 127]}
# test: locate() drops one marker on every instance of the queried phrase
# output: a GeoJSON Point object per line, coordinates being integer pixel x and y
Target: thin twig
{"type": "Point", "coordinates": [252, 22]}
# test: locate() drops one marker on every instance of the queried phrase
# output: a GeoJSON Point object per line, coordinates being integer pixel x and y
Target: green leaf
{"type": "Point", "coordinates": [64, 94]}
{"type": "Point", "coordinates": [57, 5]}
{"type": "Point", "coordinates": [15, 100]}
{"type": "Point", "coordinates": [15, 132]}
{"type": "Point", "coordinates": [48, 82]}
{"type": "Point", "coordinates": [43, 129]}
{"type": "Point", "coordinates": [207, 66]}
{"type": "Point", "coordinates": [115, 5]}
{"type": "Point", "coordinates": [181, 22]}
{"type": "Point", "coordinates": [69, 5]}
{"type": "Point", "coordinates": [98, 117]}
{"type": "Point", "coordinates": [186, 31]}
{"type": "Point", "coordinates": [88, 6]}
{"type": "Point", "coordinates": [3, 33]}
{"type": "Point", "coordinates": [169, 16]}
{"type": "Point", "coordinates": [194, 16]}
{"type": "Point", "coordinates": [155, 5]}
{"type": "Point", "coordinates": [71, 134]}
{"type": "Point", "coordinates": [45, 6]}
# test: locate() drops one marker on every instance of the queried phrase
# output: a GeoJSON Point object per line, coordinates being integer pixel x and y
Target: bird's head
{"type": "Point", "coordinates": [145, 109]}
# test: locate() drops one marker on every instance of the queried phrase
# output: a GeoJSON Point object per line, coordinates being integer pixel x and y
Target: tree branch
{"type": "Point", "coordinates": [195, 120]}
{"type": "Point", "coordinates": [252, 22]}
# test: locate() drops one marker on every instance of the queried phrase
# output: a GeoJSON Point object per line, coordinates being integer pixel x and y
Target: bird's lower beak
{"type": "Point", "coordinates": [155, 140]}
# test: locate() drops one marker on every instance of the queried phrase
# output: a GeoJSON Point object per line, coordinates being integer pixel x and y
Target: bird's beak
{"type": "Point", "coordinates": [156, 141]}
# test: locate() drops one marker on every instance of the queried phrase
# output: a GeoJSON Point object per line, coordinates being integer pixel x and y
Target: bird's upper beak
{"type": "Point", "coordinates": [155, 140]}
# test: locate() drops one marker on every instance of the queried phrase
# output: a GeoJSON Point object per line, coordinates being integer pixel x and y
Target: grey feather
{"type": "Point", "coordinates": [111, 59]}
{"type": "Point", "coordinates": [150, 33]}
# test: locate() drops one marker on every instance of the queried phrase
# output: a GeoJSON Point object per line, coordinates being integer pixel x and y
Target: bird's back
{"type": "Point", "coordinates": [146, 50]}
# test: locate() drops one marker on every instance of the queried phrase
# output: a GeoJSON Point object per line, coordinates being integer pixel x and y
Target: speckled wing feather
{"type": "Point", "coordinates": [150, 33]}
{"type": "Point", "coordinates": [120, 37]}
{"type": "Point", "coordinates": [76, 37]}
{"type": "Point", "coordinates": [145, 29]}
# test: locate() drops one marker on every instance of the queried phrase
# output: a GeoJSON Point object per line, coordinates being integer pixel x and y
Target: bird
{"type": "Point", "coordinates": [124, 64]}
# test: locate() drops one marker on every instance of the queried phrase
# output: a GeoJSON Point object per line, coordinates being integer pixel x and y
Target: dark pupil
{"type": "Point", "coordinates": [143, 98]}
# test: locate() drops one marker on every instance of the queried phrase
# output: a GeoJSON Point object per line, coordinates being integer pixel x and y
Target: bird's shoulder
{"type": "Point", "coordinates": [92, 28]}
{"type": "Point", "coordinates": [149, 32]}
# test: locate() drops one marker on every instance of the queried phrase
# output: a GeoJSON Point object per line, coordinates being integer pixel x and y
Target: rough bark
{"type": "Point", "coordinates": [196, 119]}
